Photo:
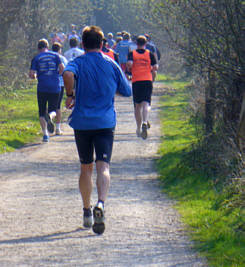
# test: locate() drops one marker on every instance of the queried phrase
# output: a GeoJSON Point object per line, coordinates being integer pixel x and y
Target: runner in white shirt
{"type": "Point", "coordinates": [74, 51]}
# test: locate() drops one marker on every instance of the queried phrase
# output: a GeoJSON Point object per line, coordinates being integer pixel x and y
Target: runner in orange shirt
{"type": "Point", "coordinates": [109, 52]}
{"type": "Point", "coordinates": [142, 63]}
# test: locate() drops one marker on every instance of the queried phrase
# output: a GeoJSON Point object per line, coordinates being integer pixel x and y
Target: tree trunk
{"type": "Point", "coordinates": [210, 94]}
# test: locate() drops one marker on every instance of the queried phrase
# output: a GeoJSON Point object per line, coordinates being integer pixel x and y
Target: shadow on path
{"type": "Point", "coordinates": [48, 238]}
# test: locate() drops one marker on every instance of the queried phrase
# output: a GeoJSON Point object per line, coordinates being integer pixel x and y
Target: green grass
{"type": "Point", "coordinates": [19, 122]}
{"type": "Point", "coordinates": [213, 229]}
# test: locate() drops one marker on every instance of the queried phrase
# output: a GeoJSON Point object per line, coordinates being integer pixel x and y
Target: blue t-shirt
{"type": "Point", "coordinates": [98, 78]}
{"type": "Point", "coordinates": [46, 64]}
{"type": "Point", "coordinates": [111, 42]}
{"type": "Point", "coordinates": [122, 49]}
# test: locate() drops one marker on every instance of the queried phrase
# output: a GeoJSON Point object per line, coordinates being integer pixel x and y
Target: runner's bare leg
{"type": "Point", "coordinates": [43, 124]}
{"type": "Point", "coordinates": [103, 179]}
{"type": "Point", "coordinates": [138, 115]}
{"type": "Point", "coordinates": [145, 112]}
{"type": "Point", "coordinates": [86, 184]}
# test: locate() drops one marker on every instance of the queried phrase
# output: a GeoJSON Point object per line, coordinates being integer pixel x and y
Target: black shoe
{"type": "Point", "coordinates": [50, 124]}
{"type": "Point", "coordinates": [99, 218]}
{"type": "Point", "coordinates": [144, 131]}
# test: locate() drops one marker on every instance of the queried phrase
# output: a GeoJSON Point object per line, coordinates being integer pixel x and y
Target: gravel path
{"type": "Point", "coordinates": [41, 211]}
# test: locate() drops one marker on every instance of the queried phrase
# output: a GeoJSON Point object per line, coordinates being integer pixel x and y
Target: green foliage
{"type": "Point", "coordinates": [19, 122]}
{"type": "Point", "coordinates": [215, 219]}
{"type": "Point", "coordinates": [25, 22]}
{"type": "Point", "coordinates": [209, 36]}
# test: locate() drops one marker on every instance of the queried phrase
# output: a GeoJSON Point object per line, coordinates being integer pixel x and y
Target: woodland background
{"type": "Point", "coordinates": [201, 41]}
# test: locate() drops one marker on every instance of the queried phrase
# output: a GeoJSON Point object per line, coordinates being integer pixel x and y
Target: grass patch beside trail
{"type": "Point", "coordinates": [19, 122]}
{"type": "Point", "coordinates": [211, 227]}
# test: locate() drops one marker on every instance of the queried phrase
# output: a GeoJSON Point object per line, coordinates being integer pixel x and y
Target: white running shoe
{"type": "Point", "coordinates": [87, 218]}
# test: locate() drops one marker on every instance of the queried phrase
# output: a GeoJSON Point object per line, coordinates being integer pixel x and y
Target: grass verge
{"type": "Point", "coordinates": [19, 122]}
{"type": "Point", "coordinates": [212, 227]}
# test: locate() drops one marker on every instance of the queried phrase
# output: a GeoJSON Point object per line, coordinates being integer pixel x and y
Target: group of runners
{"type": "Point", "coordinates": [91, 76]}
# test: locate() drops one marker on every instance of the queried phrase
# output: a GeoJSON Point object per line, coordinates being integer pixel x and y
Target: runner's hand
{"type": "Point", "coordinates": [70, 102]}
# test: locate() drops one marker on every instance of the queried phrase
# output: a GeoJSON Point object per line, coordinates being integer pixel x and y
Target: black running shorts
{"type": "Point", "coordinates": [60, 97]}
{"type": "Point", "coordinates": [99, 140]}
{"type": "Point", "coordinates": [142, 91]}
{"type": "Point", "coordinates": [43, 98]}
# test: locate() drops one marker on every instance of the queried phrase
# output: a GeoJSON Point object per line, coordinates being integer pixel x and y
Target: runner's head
{"type": "Point", "coordinates": [123, 33]}
{"type": "Point", "coordinates": [119, 39]}
{"type": "Point", "coordinates": [56, 47]}
{"type": "Point", "coordinates": [126, 36]}
{"type": "Point", "coordinates": [92, 37]}
{"type": "Point", "coordinates": [73, 42]}
{"type": "Point", "coordinates": [42, 43]}
{"type": "Point", "coordinates": [110, 35]}
{"type": "Point", "coordinates": [141, 40]}
{"type": "Point", "coordinates": [148, 37]}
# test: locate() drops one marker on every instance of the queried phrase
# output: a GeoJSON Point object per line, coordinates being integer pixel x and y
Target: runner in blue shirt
{"type": "Point", "coordinates": [46, 67]}
{"type": "Point", "coordinates": [98, 79]}
{"type": "Point", "coordinates": [123, 48]}
{"type": "Point", "coordinates": [110, 40]}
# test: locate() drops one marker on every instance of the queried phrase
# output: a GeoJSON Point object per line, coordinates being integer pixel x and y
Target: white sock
{"type": "Point", "coordinates": [45, 132]}
{"type": "Point", "coordinates": [57, 126]}
{"type": "Point", "coordinates": [52, 114]}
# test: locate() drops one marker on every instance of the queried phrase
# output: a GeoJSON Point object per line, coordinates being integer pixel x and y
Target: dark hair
{"type": "Point", "coordinates": [73, 42]}
{"type": "Point", "coordinates": [42, 43]}
{"type": "Point", "coordinates": [148, 37]}
{"type": "Point", "coordinates": [141, 40]}
{"type": "Point", "coordinates": [56, 47]}
{"type": "Point", "coordinates": [119, 39]}
{"type": "Point", "coordinates": [92, 37]}
{"type": "Point", "coordinates": [126, 36]}
{"type": "Point", "coordinates": [110, 35]}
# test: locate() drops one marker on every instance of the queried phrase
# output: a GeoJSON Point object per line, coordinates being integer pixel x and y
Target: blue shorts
{"type": "Point", "coordinates": [100, 141]}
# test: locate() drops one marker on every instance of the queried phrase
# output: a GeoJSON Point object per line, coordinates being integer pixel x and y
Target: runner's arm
{"type": "Point", "coordinates": [129, 63]}
{"type": "Point", "coordinates": [32, 74]}
{"type": "Point", "coordinates": [61, 68]}
{"type": "Point", "coordinates": [123, 86]}
{"type": "Point", "coordinates": [68, 78]}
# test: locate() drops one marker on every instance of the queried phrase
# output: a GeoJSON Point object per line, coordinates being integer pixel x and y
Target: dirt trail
{"type": "Point", "coordinates": [41, 211]}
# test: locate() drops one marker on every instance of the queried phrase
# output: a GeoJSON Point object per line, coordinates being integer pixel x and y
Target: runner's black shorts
{"type": "Point", "coordinates": [60, 97]}
{"type": "Point", "coordinates": [142, 91]}
{"type": "Point", "coordinates": [100, 141]}
{"type": "Point", "coordinates": [43, 98]}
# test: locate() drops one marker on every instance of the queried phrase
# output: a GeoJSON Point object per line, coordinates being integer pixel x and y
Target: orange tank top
{"type": "Point", "coordinates": [110, 54]}
{"type": "Point", "coordinates": [141, 68]}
